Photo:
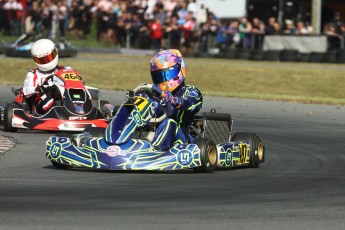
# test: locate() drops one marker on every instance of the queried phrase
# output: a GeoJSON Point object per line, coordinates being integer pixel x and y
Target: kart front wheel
{"type": "Point", "coordinates": [8, 116]}
{"type": "Point", "coordinates": [257, 148]}
{"type": "Point", "coordinates": [208, 155]}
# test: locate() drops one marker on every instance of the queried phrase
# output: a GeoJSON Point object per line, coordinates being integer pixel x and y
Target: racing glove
{"type": "Point", "coordinates": [38, 90]}
{"type": "Point", "coordinates": [169, 98]}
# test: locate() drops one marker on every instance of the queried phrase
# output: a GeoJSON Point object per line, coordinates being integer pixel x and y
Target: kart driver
{"type": "Point", "coordinates": [181, 101]}
{"type": "Point", "coordinates": [46, 59]}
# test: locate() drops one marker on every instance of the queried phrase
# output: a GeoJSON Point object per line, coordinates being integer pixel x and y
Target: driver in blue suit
{"type": "Point", "coordinates": [180, 101]}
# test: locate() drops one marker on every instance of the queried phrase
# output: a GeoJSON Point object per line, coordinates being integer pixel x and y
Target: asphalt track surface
{"type": "Point", "coordinates": [300, 186]}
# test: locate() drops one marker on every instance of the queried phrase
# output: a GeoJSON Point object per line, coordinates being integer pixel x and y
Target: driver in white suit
{"type": "Point", "coordinates": [46, 59]}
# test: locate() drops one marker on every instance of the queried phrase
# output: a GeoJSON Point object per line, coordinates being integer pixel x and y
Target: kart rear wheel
{"type": "Point", "coordinates": [105, 112]}
{"type": "Point", "coordinates": [208, 155]}
{"type": "Point", "coordinates": [59, 165]}
{"type": "Point", "coordinates": [8, 116]}
{"type": "Point", "coordinates": [257, 148]}
{"type": "Point", "coordinates": [95, 96]}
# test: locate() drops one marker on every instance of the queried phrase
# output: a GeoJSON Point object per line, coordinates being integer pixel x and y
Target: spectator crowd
{"type": "Point", "coordinates": [156, 24]}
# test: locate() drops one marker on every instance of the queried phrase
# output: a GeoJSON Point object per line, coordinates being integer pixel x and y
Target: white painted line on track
{"type": "Point", "coordinates": [5, 144]}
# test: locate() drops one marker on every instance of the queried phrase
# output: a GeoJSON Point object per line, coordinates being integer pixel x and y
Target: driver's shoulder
{"type": "Point", "coordinates": [191, 89]}
{"type": "Point", "coordinates": [65, 67]}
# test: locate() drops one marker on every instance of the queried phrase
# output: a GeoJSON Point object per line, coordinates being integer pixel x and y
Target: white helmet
{"type": "Point", "coordinates": [45, 54]}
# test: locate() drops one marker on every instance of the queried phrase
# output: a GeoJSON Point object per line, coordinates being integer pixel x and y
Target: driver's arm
{"type": "Point", "coordinates": [30, 84]}
{"type": "Point", "coordinates": [191, 100]}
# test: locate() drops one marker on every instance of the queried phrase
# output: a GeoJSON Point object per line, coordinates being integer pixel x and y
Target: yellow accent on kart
{"type": "Point", "coordinates": [141, 102]}
{"type": "Point", "coordinates": [71, 76]}
{"type": "Point", "coordinates": [243, 153]}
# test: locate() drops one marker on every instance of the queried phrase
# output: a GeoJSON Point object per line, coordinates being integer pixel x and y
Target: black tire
{"type": "Point", "coordinates": [316, 57]}
{"type": "Point", "coordinates": [94, 93]}
{"type": "Point", "coordinates": [303, 57]}
{"type": "Point", "coordinates": [105, 113]}
{"type": "Point", "coordinates": [257, 55]}
{"type": "Point", "coordinates": [257, 148]}
{"type": "Point", "coordinates": [272, 55]}
{"type": "Point", "coordinates": [243, 54]}
{"type": "Point", "coordinates": [59, 165]}
{"type": "Point", "coordinates": [95, 131]}
{"type": "Point", "coordinates": [116, 108]}
{"type": "Point", "coordinates": [289, 55]}
{"type": "Point", "coordinates": [341, 56]}
{"type": "Point", "coordinates": [8, 116]}
{"type": "Point", "coordinates": [330, 56]}
{"type": "Point", "coordinates": [208, 155]}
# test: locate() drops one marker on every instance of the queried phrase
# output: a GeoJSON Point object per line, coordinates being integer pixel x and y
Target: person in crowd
{"type": "Point", "coordinates": [245, 29]}
{"type": "Point", "coordinates": [77, 13]}
{"type": "Point", "coordinates": [46, 18]}
{"type": "Point", "coordinates": [53, 8]}
{"type": "Point", "coordinates": [338, 23]}
{"type": "Point", "coordinates": [269, 29]}
{"type": "Point", "coordinates": [35, 17]}
{"type": "Point", "coordinates": [182, 13]}
{"type": "Point", "coordinates": [111, 28]}
{"type": "Point", "coordinates": [233, 34]}
{"type": "Point", "coordinates": [258, 32]}
{"type": "Point", "coordinates": [333, 38]}
{"type": "Point", "coordinates": [202, 15]}
{"type": "Point", "coordinates": [134, 28]}
{"type": "Point", "coordinates": [290, 28]}
{"type": "Point", "coordinates": [309, 27]}
{"type": "Point", "coordinates": [62, 15]}
{"type": "Point", "coordinates": [202, 37]}
{"type": "Point", "coordinates": [87, 18]}
{"type": "Point", "coordinates": [144, 33]}
{"type": "Point", "coordinates": [169, 7]}
{"type": "Point", "coordinates": [301, 29]}
{"type": "Point", "coordinates": [156, 33]}
{"type": "Point", "coordinates": [15, 13]}
{"type": "Point", "coordinates": [222, 36]}
{"type": "Point", "coordinates": [174, 33]}
{"type": "Point", "coordinates": [188, 29]}
{"type": "Point", "coordinates": [193, 7]}
{"type": "Point", "coordinates": [101, 24]}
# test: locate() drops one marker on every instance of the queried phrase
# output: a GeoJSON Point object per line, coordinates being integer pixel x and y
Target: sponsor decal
{"type": "Point", "coordinates": [75, 118]}
{"type": "Point", "coordinates": [137, 118]}
{"type": "Point", "coordinates": [55, 150]}
{"type": "Point", "coordinates": [18, 125]}
{"type": "Point", "coordinates": [114, 150]}
{"type": "Point", "coordinates": [184, 157]}
{"type": "Point", "coordinates": [228, 156]}
{"type": "Point", "coordinates": [71, 76]}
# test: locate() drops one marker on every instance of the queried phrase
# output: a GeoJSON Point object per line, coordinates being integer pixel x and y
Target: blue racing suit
{"type": "Point", "coordinates": [174, 128]}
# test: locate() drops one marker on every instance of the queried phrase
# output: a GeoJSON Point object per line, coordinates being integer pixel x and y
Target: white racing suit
{"type": "Point", "coordinates": [42, 101]}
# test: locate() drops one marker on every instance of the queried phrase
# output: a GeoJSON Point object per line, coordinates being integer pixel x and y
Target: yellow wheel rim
{"type": "Point", "coordinates": [212, 155]}
{"type": "Point", "coordinates": [260, 151]}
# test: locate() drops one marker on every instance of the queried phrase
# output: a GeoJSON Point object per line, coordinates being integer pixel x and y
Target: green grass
{"type": "Point", "coordinates": [300, 82]}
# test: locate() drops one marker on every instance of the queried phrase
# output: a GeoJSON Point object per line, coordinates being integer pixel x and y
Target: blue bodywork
{"type": "Point", "coordinates": [118, 150]}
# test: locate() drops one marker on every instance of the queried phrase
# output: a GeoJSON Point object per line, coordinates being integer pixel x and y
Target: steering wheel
{"type": "Point", "coordinates": [45, 83]}
{"type": "Point", "coordinates": [149, 88]}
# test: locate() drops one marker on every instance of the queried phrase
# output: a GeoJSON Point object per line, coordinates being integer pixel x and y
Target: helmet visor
{"type": "Point", "coordinates": [162, 75]}
{"type": "Point", "coordinates": [47, 58]}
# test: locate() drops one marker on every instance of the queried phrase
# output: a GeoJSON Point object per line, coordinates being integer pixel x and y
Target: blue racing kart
{"type": "Point", "coordinates": [133, 127]}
